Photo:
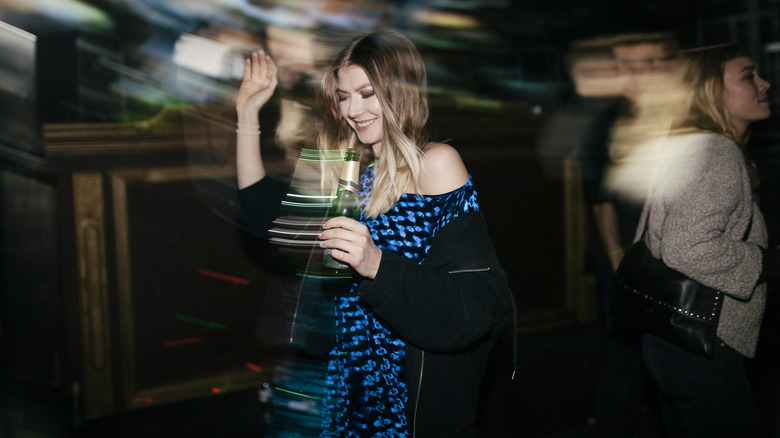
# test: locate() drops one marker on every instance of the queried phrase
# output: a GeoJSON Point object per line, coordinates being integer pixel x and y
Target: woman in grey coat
{"type": "Point", "coordinates": [702, 220]}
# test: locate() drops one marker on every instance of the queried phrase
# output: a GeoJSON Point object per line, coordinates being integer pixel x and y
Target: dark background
{"type": "Point", "coordinates": [495, 85]}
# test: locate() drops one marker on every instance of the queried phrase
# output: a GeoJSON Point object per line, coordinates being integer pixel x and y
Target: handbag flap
{"type": "Point", "coordinates": [665, 286]}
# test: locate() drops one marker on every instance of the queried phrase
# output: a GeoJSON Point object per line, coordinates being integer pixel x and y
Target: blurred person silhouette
{"type": "Point", "coordinates": [587, 110]}
{"type": "Point", "coordinates": [296, 55]}
{"type": "Point", "coordinates": [702, 220]}
{"type": "Point", "coordinates": [426, 305]}
{"type": "Point", "coordinates": [643, 64]}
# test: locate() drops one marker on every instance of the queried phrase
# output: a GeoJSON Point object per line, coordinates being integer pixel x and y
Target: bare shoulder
{"type": "Point", "coordinates": [443, 170]}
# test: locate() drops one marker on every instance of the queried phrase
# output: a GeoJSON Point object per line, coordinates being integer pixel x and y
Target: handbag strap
{"type": "Point", "coordinates": [750, 225]}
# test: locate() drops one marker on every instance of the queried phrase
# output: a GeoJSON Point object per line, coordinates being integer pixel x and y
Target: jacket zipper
{"type": "Point", "coordinates": [422, 355]}
{"type": "Point", "coordinates": [417, 399]}
{"type": "Point", "coordinates": [295, 314]}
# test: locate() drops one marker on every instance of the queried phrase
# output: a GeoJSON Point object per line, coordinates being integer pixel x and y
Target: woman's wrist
{"type": "Point", "coordinates": [247, 129]}
{"type": "Point", "coordinates": [246, 117]}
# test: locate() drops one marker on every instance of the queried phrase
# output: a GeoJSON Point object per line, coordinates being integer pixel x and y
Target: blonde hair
{"type": "Point", "coordinates": [397, 74]}
{"type": "Point", "coordinates": [703, 107]}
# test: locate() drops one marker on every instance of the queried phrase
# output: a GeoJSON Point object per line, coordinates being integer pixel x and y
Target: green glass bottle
{"type": "Point", "coordinates": [346, 202]}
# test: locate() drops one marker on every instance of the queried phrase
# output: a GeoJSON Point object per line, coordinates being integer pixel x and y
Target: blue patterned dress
{"type": "Point", "coordinates": [366, 382]}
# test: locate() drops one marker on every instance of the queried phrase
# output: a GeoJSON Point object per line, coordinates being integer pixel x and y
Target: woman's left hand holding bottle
{"type": "Point", "coordinates": [352, 244]}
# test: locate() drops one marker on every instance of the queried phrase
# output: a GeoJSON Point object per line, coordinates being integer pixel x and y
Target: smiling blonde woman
{"type": "Point", "coordinates": [416, 326]}
{"type": "Point", "coordinates": [702, 220]}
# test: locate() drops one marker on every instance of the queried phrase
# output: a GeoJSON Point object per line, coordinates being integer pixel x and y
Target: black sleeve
{"type": "Point", "coordinates": [770, 265]}
{"type": "Point", "coordinates": [593, 153]}
{"type": "Point", "coordinates": [260, 204]}
{"type": "Point", "coordinates": [450, 300]}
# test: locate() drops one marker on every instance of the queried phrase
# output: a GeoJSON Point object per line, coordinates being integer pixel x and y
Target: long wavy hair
{"type": "Point", "coordinates": [703, 107]}
{"type": "Point", "coordinates": [397, 74]}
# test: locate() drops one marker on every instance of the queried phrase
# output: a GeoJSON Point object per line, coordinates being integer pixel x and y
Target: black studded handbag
{"type": "Point", "coordinates": [656, 299]}
{"type": "Point", "coordinates": [659, 300]}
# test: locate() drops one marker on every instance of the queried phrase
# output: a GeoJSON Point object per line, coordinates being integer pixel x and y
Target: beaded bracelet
{"type": "Point", "coordinates": [255, 129]}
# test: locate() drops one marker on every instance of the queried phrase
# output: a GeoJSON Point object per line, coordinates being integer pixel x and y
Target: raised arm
{"type": "Point", "coordinates": [256, 89]}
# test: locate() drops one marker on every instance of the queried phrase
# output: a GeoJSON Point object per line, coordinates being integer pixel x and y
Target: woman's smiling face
{"type": "Point", "coordinates": [360, 107]}
{"type": "Point", "coordinates": [745, 93]}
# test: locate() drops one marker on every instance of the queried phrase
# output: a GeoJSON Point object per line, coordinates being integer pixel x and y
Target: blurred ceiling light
{"type": "Point", "coordinates": [209, 57]}
{"type": "Point", "coordinates": [446, 19]}
{"type": "Point", "coordinates": [70, 12]}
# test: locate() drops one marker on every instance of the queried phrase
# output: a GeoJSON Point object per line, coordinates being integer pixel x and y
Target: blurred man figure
{"type": "Point", "coordinates": [643, 63]}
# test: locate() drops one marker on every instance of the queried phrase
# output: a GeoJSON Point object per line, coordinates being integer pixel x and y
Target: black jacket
{"type": "Point", "coordinates": [449, 310]}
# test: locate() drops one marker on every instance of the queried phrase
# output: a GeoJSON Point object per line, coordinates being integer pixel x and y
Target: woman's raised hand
{"type": "Point", "coordinates": [256, 88]}
{"type": "Point", "coordinates": [258, 84]}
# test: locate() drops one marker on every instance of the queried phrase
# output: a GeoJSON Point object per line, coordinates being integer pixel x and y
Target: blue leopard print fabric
{"type": "Point", "coordinates": [366, 381]}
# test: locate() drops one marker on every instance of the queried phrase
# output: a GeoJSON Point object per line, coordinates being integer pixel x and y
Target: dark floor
{"type": "Point", "coordinates": [550, 398]}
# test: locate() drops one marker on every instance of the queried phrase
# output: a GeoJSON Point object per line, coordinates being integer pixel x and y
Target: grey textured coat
{"type": "Point", "coordinates": [697, 216]}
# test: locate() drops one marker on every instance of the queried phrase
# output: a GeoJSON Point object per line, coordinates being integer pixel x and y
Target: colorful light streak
{"type": "Point", "coordinates": [185, 341]}
{"type": "Point", "coordinates": [202, 322]}
{"type": "Point", "coordinates": [218, 390]}
{"type": "Point", "coordinates": [146, 400]}
{"type": "Point", "coordinates": [295, 195]}
{"type": "Point", "coordinates": [217, 275]}
{"type": "Point", "coordinates": [253, 367]}
{"type": "Point", "coordinates": [296, 393]}
{"type": "Point", "coordinates": [317, 155]}
{"type": "Point", "coordinates": [305, 205]}
{"type": "Point", "coordinates": [316, 275]}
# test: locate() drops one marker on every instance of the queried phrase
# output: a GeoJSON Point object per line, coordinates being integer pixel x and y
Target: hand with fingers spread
{"type": "Point", "coordinates": [258, 85]}
{"type": "Point", "coordinates": [256, 89]}
{"type": "Point", "coordinates": [352, 244]}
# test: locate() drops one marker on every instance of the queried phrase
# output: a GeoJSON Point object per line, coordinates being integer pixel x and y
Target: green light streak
{"type": "Point", "coordinates": [295, 393]}
{"type": "Point", "coordinates": [197, 321]}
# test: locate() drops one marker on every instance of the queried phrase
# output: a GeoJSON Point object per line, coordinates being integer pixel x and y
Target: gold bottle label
{"type": "Point", "coordinates": [350, 169]}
